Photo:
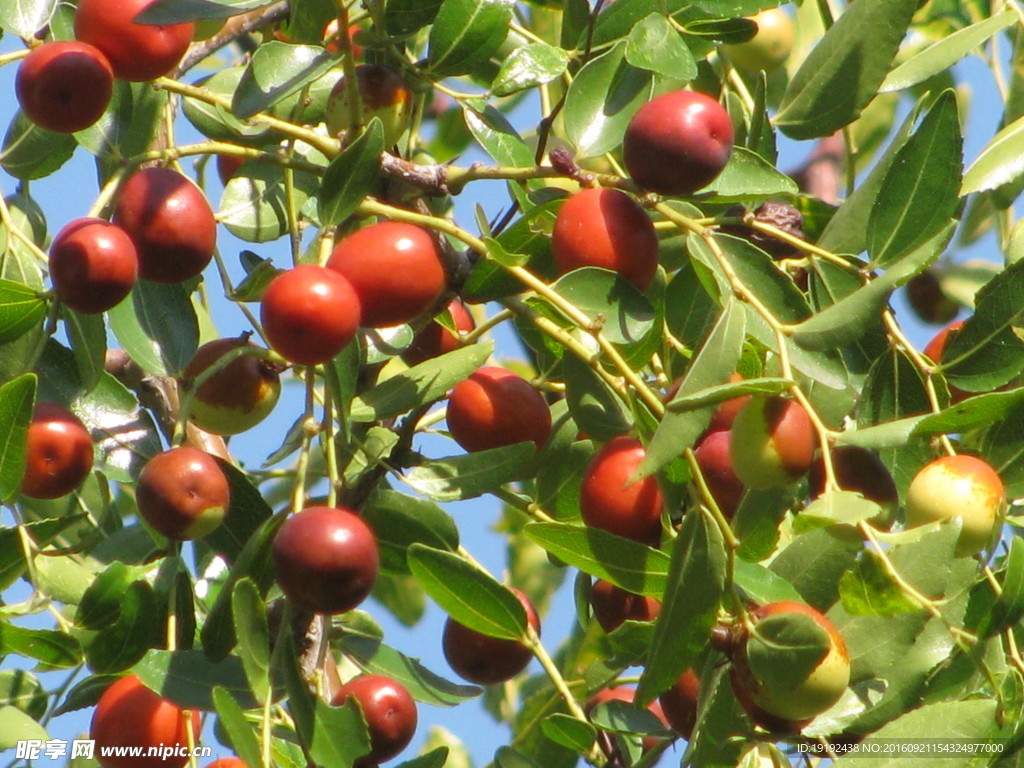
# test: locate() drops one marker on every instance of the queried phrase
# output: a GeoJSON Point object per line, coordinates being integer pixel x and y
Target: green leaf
{"type": "Point", "coordinates": [276, 71]}
{"type": "Point", "coordinates": [254, 206]}
{"type": "Point", "coordinates": [373, 657]}
{"type": "Point", "coordinates": [239, 730]}
{"type": "Point", "coordinates": [628, 564]}
{"type": "Point", "coordinates": [22, 690]}
{"type": "Point", "coordinates": [920, 191]}
{"type": "Point", "coordinates": [595, 407]}
{"type": "Point", "coordinates": [21, 308]}
{"type": "Point", "coordinates": [868, 590]}
{"type": "Point", "coordinates": [101, 603]}
{"type": "Point", "coordinates": [250, 616]}
{"type": "Point", "coordinates": [528, 67]}
{"type": "Point", "coordinates": [655, 45]}
{"type": "Point", "coordinates": [435, 758]}
{"type": "Point", "coordinates": [568, 731]}
{"type": "Point", "coordinates": [52, 648]}
{"type": "Point", "coordinates": [467, 475]}
{"type": "Point", "coordinates": [351, 176]}
{"type": "Point", "coordinates": [748, 175]}
{"type": "Point", "coordinates": [1000, 162]}
{"type": "Point", "coordinates": [399, 521]}
{"type": "Point", "coordinates": [188, 678]}
{"type": "Point", "coordinates": [689, 607]}
{"type": "Point", "coordinates": [1009, 605]}
{"type": "Point", "coordinates": [601, 101]}
{"type": "Point", "coordinates": [176, 11]}
{"type": "Point", "coordinates": [16, 726]}
{"type": "Point", "coordinates": [16, 400]}
{"type": "Point", "coordinates": [420, 385]}
{"type": "Point", "coordinates": [987, 352]}
{"type": "Point", "coordinates": [157, 326]}
{"type": "Point", "coordinates": [88, 337]}
{"type": "Point", "coordinates": [628, 315]}
{"type": "Point", "coordinates": [247, 511]}
{"type": "Point", "coordinates": [760, 584]}
{"type": "Point", "coordinates": [30, 152]}
{"type": "Point", "coordinates": [467, 594]}
{"type": "Point", "coordinates": [12, 551]}
{"type": "Point", "coordinates": [945, 53]}
{"type": "Point", "coordinates": [120, 645]}
{"type": "Point", "coordinates": [712, 366]}
{"type": "Point", "coordinates": [24, 18]}
{"type": "Point", "coordinates": [497, 136]}
{"type": "Point", "coordinates": [785, 647]}
{"type": "Point", "coordinates": [842, 72]}
{"type": "Point", "coordinates": [845, 321]}
{"type": "Point", "coordinates": [405, 16]}
{"type": "Point", "coordinates": [128, 126]}
{"type": "Point", "coordinates": [466, 33]}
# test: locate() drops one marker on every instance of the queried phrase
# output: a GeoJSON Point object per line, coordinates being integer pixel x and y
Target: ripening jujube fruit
{"type": "Point", "coordinates": [786, 698]}
{"type": "Point", "coordinates": [182, 493]}
{"type": "Point", "coordinates": [309, 314]}
{"type": "Point", "coordinates": [64, 86]}
{"type": "Point", "coordinates": [137, 52]}
{"type": "Point", "coordinates": [495, 407]}
{"type": "Point", "coordinates": [434, 340]}
{"type": "Point", "coordinates": [677, 143]}
{"type": "Point", "coordinates": [93, 265]}
{"type": "Point", "coordinates": [382, 94]}
{"type": "Point", "coordinates": [725, 413]}
{"type": "Point", "coordinates": [238, 396]}
{"type": "Point", "coordinates": [958, 485]}
{"type": "Point", "coordinates": [715, 461]}
{"type": "Point", "coordinates": [171, 223]}
{"type": "Point", "coordinates": [605, 228]}
{"type": "Point", "coordinates": [679, 703]}
{"type": "Point", "coordinates": [395, 268]}
{"type": "Point", "coordinates": [613, 605]}
{"type": "Point", "coordinates": [609, 501]}
{"type": "Point", "coordinates": [769, 48]}
{"type": "Point", "coordinates": [129, 714]}
{"type": "Point", "coordinates": [389, 711]}
{"type": "Point", "coordinates": [483, 659]}
{"type": "Point", "coordinates": [228, 762]}
{"type": "Point", "coordinates": [58, 453]}
{"type": "Point", "coordinates": [326, 559]}
{"type": "Point", "coordinates": [227, 167]}
{"type": "Point", "coordinates": [936, 350]}
{"type": "Point", "coordinates": [772, 443]}
{"type": "Point", "coordinates": [930, 303]}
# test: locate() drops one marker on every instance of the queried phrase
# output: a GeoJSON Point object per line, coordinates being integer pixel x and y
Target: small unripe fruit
{"type": "Point", "coordinates": [609, 501]}
{"type": "Point", "coordinates": [958, 485]}
{"type": "Point", "coordinates": [58, 453]}
{"type": "Point", "coordinates": [606, 228]}
{"type": "Point", "coordinates": [760, 661]}
{"type": "Point", "coordinates": [860, 470]}
{"type": "Point", "coordinates": [383, 94]}
{"type": "Point", "coordinates": [389, 711]}
{"type": "Point", "coordinates": [309, 314]}
{"type": "Point", "coordinates": [770, 47]}
{"type": "Point", "coordinates": [64, 86]}
{"type": "Point", "coordinates": [486, 660]}
{"type": "Point", "coordinates": [715, 461]}
{"type": "Point", "coordinates": [434, 340]}
{"type": "Point", "coordinates": [171, 223]}
{"type": "Point", "coordinates": [772, 443]}
{"type": "Point", "coordinates": [326, 559]}
{"type": "Point", "coordinates": [137, 52]}
{"type": "Point", "coordinates": [129, 716]}
{"type": "Point", "coordinates": [93, 265]}
{"type": "Point", "coordinates": [495, 407]}
{"type": "Point", "coordinates": [679, 703]}
{"type": "Point", "coordinates": [677, 143]}
{"type": "Point", "coordinates": [395, 268]}
{"type": "Point", "coordinates": [613, 605]}
{"type": "Point", "coordinates": [182, 493]}
{"type": "Point", "coordinates": [239, 396]}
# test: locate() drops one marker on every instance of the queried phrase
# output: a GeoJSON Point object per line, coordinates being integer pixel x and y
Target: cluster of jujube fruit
{"type": "Point", "coordinates": [385, 273]}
